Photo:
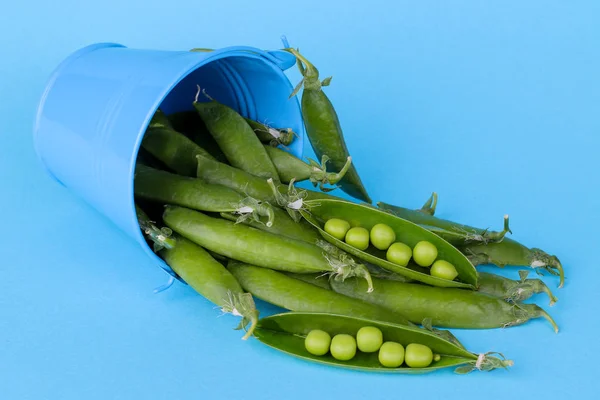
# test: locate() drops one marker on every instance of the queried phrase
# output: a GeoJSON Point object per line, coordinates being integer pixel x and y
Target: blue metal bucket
{"type": "Point", "coordinates": [98, 102]}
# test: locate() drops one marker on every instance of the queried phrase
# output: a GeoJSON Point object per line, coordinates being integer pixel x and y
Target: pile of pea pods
{"type": "Point", "coordinates": [369, 287]}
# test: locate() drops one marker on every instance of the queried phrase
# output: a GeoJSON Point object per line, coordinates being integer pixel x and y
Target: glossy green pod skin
{"type": "Point", "coordinates": [406, 232]}
{"type": "Point", "coordinates": [511, 252]}
{"type": "Point", "coordinates": [213, 171]}
{"type": "Point", "coordinates": [167, 188]}
{"type": "Point", "coordinates": [319, 280]}
{"type": "Point", "coordinates": [447, 307]}
{"type": "Point", "coordinates": [284, 225]}
{"type": "Point", "coordinates": [292, 294]}
{"type": "Point", "coordinates": [253, 246]}
{"type": "Point", "coordinates": [286, 332]}
{"type": "Point", "coordinates": [236, 139]}
{"type": "Point", "coordinates": [174, 149]}
{"type": "Point", "coordinates": [190, 124]}
{"type": "Point", "coordinates": [271, 136]}
{"type": "Point", "coordinates": [324, 130]}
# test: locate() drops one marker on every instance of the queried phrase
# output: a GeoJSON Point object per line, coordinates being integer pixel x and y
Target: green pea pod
{"type": "Point", "coordinates": [446, 307]}
{"type": "Point", "coordinates": [500, 253]}
{"type": "Point", "coordinates": [292, 294]}
{"type": "Point", "coordinates": [287, 332]}
{"type": "Point", "coordinates": [212, 280]}
{"type": "Point", "coordinates": [283, 225]}
{"type": "Point", "coordinates": [247, 244]}
{"type": "Point", "coordinates": [164, 187]}
{"type": "Point", "coordinates": [190, 124]}
{"type": "Point", "coordinates": [236, 139]}
{"type": "Point", "coordinates": [457, 234]}
{"type": "Point", "coordinates": [286, 196]}
{"type": "Point", "coordinates": [160, 120]}
{"type": "Point", "coordinates": [290, 168]}
{"type": "Point", "coordinates": [318, 280]}
{"type": "Point", "coordinates": [512, 290]}
{"type": "Point", "coordinates": [174, 149]}
{"type": "Point", "coordinates": [323, 127]}
{"type": "Point", "coordinates": [406, 232]}
{"type": "Point", "coordinates": [511, 252]}
{"type": "Point", "coordinates": [271, 136]}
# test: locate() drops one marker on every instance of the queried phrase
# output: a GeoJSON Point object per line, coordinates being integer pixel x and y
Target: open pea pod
{"type": "Point", "coordinates": [286, 332]}
{"type": "Point", "coordinates": [319, 211]}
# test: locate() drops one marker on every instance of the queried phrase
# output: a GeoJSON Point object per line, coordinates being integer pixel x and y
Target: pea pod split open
{"type": "Point", "coordinates": [286, 332]}
{"type": "Point", "coordinates": [319, 211]}
{"type": "Point", "coordinates": [250, 245]}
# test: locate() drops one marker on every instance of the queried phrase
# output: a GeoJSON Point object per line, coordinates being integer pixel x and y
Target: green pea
{"type": "Point", "coordinates": [358, 237]}
{"type": "Point", "coordinates": [424, 253]}
{"type": "Point", "coordinates": [391, 354]}
{"type": "Point", "coordinates": [399, 253]}
{"type": "Point", "coordinates": [418, 355]}
{"type": "Point", "coordinates": [443, 269]}
{"type": "Point", "coordinates": [382, 236]}
{"type": "Point", "coordinates": [337, 228]}
{"type": "Point", "coordinates": [369, 339]}
{"type": "Point", "coordinates": [317, 342]}
{"type": "Point", "coordinates": [343, 347]}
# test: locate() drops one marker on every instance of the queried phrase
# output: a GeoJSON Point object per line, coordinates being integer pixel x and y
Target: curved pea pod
{"type": "Point", "coordinates": [250, 245]}
{"type": "Point", "coordinates": [511, 252]}
{"type": "Point", "coordinates": [457, 234]}
{"type": "Point", "coordinates": [291, 168]}
{"type": "Point", "coordinates": [365, 216]}
{"type": "Point", "coordinates": [323, 127]}
{"type": "Point", "coordinates": [287, 332]}
{"type": "Point", "coordinates": [283, 225]}
{"type": "Point", "coordinates": [271, 136]}
{"type": "Point", "coordinates": [446, 307]}
{"type": "Point", "coordinates": [513, 290]}
{"type": "Point", "coordinates": [212, 280]}
{"type": "Point", "coordinates": [174, 149]}
{"type": "Point", "coordinates": [236, 139]}
{"type": "Point", "coordinates": [190, 124]}
{"type": "Point", "coordinates": [286, 196]}
{"type": "Point", "coordinates": [164, 187]}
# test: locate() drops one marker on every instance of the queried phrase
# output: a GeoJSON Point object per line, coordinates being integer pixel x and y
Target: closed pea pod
{"type": "Point", "coordinates": [204, 274]}
{"type": "Point", "coordinates": [167, 188]}
{"type": "Point", "coordinates": [289, 168]}
{"type": "Point", "coordinates": [406, 232]}
{"type": "Point", "coordinates": [446, 307]}
{"type": "Point", "coordinates": [287, 332]}
{"type": "Point", "coordinates": [323, 127]}
{"type": "Point", "coordinates": [236, 139]}
{"type": "Point", "coordinates": [250, 245]}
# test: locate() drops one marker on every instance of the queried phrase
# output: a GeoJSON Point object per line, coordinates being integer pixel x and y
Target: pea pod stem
{"type": "Point", "coordinates": [513, 290]}
{"type": "Point", "coordinates": [164, 187]}
{"type": "Point", "coordinates": [272, 136]}
{"type": "Point", "coordinates": [161, 237]}
{"type": "Point", "coordinates": [430, 205]}
{"type": "Point", "coordinates": [291, 168]}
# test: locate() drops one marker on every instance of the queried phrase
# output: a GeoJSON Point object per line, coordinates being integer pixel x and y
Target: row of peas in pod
{"type": "Point", "coordinates": [367, 287]}
{"type": "Point", "coordinates": [369, 339]}
{"type": "Point", "coordinates": [383, 237]}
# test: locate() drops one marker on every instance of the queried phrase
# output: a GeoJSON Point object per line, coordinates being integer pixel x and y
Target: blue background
{"type": "Point", "coordinates": [494, 105]}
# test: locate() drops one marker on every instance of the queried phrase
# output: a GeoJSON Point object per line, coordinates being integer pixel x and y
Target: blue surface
{"type": "Point", "coordinates": [494, 106]}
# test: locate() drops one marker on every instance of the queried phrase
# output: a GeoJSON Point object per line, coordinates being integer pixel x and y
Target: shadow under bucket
{"type": "Point", "coordinates": [99, 101]}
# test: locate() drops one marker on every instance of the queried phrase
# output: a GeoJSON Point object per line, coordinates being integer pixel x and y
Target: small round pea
{"type": "Point", "coordinates": [418, 355]}
{"type": "Point", "coordinates": [399, 253]}
{"type": "Point", "coordinates": [437, 357]}
{"type": "Point", "coordinates": [382, 236]}
{"type": "Point", "coordinates": [343, 347]}
{"type": "Point", "coordinates": [369, 339]}
{"type": "Point", "coordinates": [317, 342]}
{"type": "Point", "coordinates": [424, 253]}
{"type": "Point", "coordinates": [391, 354]}
{"type": "Point", "coordinates": [443, 269]}
{"type": "Point", "coordinates": [337, 228]}
{"type": "Point", "coordinates": [358, 237]}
